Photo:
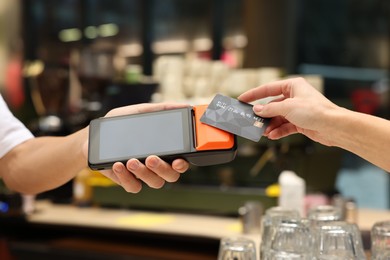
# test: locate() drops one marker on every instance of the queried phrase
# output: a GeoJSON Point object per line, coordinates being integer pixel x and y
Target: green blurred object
{"type": "Point", "coordinates": [182, 198]}
{"type": "Point", "coordinates": [133, 74]}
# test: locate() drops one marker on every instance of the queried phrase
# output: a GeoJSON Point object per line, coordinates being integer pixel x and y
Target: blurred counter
{"type": "Point", "coordinates": [202, 226]}
{"type": "Point", "coordinates": [69, 232]}
{"type": "Point", "coordinates": [367, 217]}
{"type": "Point", "coordinates": [160, 222]}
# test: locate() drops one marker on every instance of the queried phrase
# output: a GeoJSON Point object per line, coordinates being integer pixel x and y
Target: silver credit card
{"type": "Point", "coordinates": [234, 116]}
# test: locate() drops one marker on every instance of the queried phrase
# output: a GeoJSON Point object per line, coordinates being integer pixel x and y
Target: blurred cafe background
{"type": "Point", "coordinates": [65, 62]}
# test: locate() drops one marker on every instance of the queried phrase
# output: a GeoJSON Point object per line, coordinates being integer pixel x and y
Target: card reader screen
{"type": "Point", "coordinates": [140, 136]}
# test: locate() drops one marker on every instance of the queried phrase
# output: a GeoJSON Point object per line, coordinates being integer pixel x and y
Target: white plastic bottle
{"type": "Point", "coordinates": [292, 191]}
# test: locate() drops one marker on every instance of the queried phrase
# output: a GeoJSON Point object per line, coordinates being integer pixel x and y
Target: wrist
{"type": "Point", "coordinates": [342, 126]}
{"type": "Point", "coordinates": [336, 124]}
{"type": "Point", "coordinates": [80, 142]}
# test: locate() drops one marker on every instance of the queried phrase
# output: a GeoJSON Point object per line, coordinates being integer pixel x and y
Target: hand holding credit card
{"type": "Point", "coordinates": [234, 116]}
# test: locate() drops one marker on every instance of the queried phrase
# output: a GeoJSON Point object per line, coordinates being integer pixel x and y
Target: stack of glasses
{"type": "Point", "coordinates": [320, 236]}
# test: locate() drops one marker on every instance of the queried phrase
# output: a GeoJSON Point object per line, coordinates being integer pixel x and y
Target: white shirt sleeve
{"type": "Point", "coordinates": [12, 131]}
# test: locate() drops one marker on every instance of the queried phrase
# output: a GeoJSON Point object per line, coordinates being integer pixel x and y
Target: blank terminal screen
{"type": "Point", "coordinates": [140, 136]}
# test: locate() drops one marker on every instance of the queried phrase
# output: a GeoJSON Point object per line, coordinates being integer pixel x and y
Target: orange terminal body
{"type": "Point", "coordinates": [209, 137]}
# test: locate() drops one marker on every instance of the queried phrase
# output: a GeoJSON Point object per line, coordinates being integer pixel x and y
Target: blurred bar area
{"type": "Point", "coordinates": [66, 62]}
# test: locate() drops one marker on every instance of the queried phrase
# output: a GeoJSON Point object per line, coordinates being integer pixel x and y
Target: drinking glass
{"type": "Point", "coordinates": [272, 217]}
{"type": "Point", "coordinates": [337, 240]}
{"type": "Point", "coordinates": [323, 213]}
{"type": "Point", "coordinates": [380, 240]}
{"type": "Point", "coordinates": [237, 248]}
{"type": "Point", "coordinates": [291, 240]}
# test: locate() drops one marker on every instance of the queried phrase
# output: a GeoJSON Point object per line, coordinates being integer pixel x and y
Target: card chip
{"type": "Point", "coordinates": [258, 124]}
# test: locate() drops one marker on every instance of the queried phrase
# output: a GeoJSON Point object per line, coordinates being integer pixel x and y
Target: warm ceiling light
{"type": "Point", "coordinates": [91, 32]}
{"type": "Point", "coordinates": [109, 29]}
{"type": "Point", "coordinates": [70, 35]}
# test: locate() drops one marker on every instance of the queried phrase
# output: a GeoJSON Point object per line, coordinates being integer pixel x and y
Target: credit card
{"type": "Point", "coordinates": [234, 116]}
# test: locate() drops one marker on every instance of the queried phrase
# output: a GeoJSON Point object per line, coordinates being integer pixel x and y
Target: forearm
{"type": "Point", "coordinates": [365, 135]}
{"type": "Point", "coordinates": [44, 163]}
